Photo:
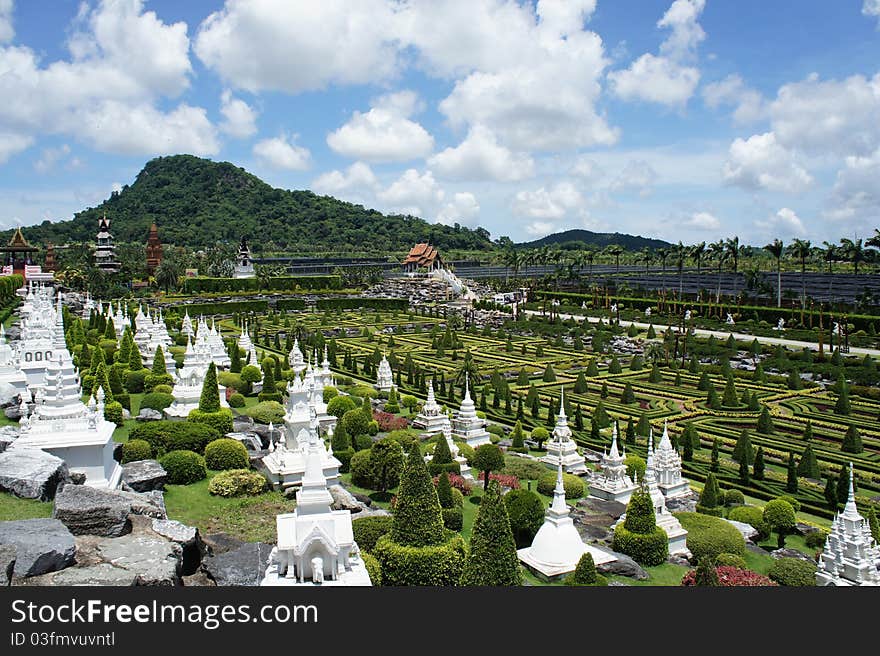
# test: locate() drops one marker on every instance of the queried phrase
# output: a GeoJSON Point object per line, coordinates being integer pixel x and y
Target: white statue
{"type": "Point", "coordinates": [317, 570]}
{"type": "Point", "coordinates": [838, 329]}
{"type": "Point", "coordinates": [780, 325]}
{"type": "Point", "coordinates": [613, 308]}
{"type": "Point", "coordinates": [687, 315]}
{"type": "Point", "coordinates": [647, 312]}
{"type": "Point", "coordinates": [730, 320]}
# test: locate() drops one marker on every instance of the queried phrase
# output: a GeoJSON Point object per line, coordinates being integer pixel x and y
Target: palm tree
{"type": "Point", "coordinates": [662, 256]}
{"type": "Point", "coordinates": [801, 249]}
{"type": "Point", "coordinates": [511, 259]}
{"type": "Point", "coordinates": [776, 248]}
{"type": "Point", "coordinates": [719, 254]}
{"type": "Point", "coordinates": [166, 274]}
{"type": "Point", "coordinates": [588, 256]}
{"type": "Point", "coordinates": [732, 247]}
{"type": "Point", "coordinates": [646, 256]}
{"type": "Point", "coordinates": [680, 251]}
{"type": "Point", "coordinates": [615, 251]}
{"type": "Point", "coordinates": [698, 252]}
{"type": "Point", "coordinates": [853, 251]}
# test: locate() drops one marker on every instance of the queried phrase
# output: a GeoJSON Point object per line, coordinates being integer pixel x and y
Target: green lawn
{"type": "Point", "coordinates": [11, 507]}
{"type": "Point", "coordinates": [246, 518]}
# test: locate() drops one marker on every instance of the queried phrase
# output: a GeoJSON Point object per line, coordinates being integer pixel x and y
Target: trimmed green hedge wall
{"type": "Point", "coordinates": [440, 564]}
{"type": "Point", "coordinates": [372, 303]}
{"type": "Point", "coordinates": [281, 283]}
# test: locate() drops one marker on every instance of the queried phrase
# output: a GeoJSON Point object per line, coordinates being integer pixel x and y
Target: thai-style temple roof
{"type": "Point", "coordinates": [18, 243]}
{"type": "Point", "coordinates": [423, 255]}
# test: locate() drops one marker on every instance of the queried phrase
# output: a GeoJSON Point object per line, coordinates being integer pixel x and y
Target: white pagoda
{"type": "Point", "coordinates": [62, 425]}
{"type": "Point", "coordinates": [10, 366]}
{"type": "Point", "coordinates": [324, 377]}
{"type": "Point", "coordinates": [315, 544]}
{"type": "Point", "coordinates": [246, 346]}
{"type": "Point", "coordinates": [286, 461]}
{"type": "Point", "coordinates": [384, 376]}
{"type": "Point", "coordinates": [295, 358]}
{"type": "Point", "coordinates": [431, 419]}
{"type": "Point", "coordinates": [219, 355]}
{"type": "Point", "coordinates": [189, 382]}
{"type": "Point", "coordinates": [851, 555]}
{"type": "Point", "coordinates": [158, 336]}
{"type": "Point", "coordinates": [612, 483]}
{"type": "Point", "coordinates": [667, 468]}
{"type": "Point", "coordinates": [244, 264]}
{"type": "Point", "coordinates": [186, 326]}
{"type": "Point", "coordinates": [39, 337]}
{"type": "Point", "coordinates": [562, 447]}
{"type": "Point", "coordinates": [466, 425]}
{"type": "Point", "coordinates": [558, 546]}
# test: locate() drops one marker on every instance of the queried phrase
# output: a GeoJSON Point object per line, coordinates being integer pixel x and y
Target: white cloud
{"type": "Point", "coordinates": [6, 29]}
{"type": "Point", "coordinates": [299, 45]}
{"type": "Point", "coordinates": [732, 91]}
{"type": "Point", "coordinates": [855, 197]}
{"type": "Point", "coordinates": [666, 79]}
{"type": "Point", "coordinates": [760, 162]}
{"type": "Point", "coordinates": [50, 157]}
{"type": "Point", "coordinates": [872, 8]}
{"type": "Point", "coordinates": [701, 221]}
{"type": "Point", "coordinates": [385, 133]}
{"type": "Point", "coordinates": [12, 144]}
{"type": "Point", "coordinates": [562, 17]}
{"type": "Point", "coordinates": [481, 157]}
{"type": "Point", "coordinates": [240, 119]}
{"type": "Point", "coordinates": [554, 203]}
{"type": "Point", "coordinates": [463, 209]}
{"type": "Point", "coordinates": [637, 176]}
{"type": "Point", "coordinates": [586, 169]}
{"type": "Point", "coordinates": [413, 193]}
{"type": "Point", "coordinates": [830, 116]}
{"type": "Point", "coordinates": [357, 177]}
{"type": "Point", "coordinates": [122, 61]}
{"type": "Point", "coordinates": [282, 153]}
{"type": "Point", "coordinates": [540, 228]}
{"type": "Point", "coordinates": [785, 224]}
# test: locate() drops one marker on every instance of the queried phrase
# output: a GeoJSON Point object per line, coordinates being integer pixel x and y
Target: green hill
{"type": "Point", "coordinates": [574, 238]}
{"type": "Point", "coordinates": [197, 202]}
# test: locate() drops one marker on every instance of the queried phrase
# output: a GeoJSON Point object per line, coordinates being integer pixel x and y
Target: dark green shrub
{"type": "Point", "coordinates": [815, 539]}
{"type": "Point", "coordinates": [134, 380]}
{"type": "Point", "coordinates": [124, 399]}
{"type": "Point", "coordinates": [236, 400]}
{"type": "Point", "coordinates": [367, 530]}
{"type": "Point", "coordinates": [418, 521]}
{"type": "Point", "coordinates": [226, 453]}
{"type": "Point", "coordinates": [793, 572]}
{"type": "Point", "coordinates": [221, 420]}
{"type": "Point", "coordinates": [523, 469]}
{"type": "Point", "coordinates": [113, 412]}
{"type": "Point", "coordinates": [184, 467]}
{"type": "Point", "coordinates": [492, 558]}
{"type": "Point", "coordinates": [453, 518]}
{"type": "Point", "coordinates": [435, 565]}
{"type": "Point", "coordinates": [710, 536]}
{"type": "Point", "coordinates": [639, 536]}
{"type": "Point", "coordinates": [174, 436]}
{"type": "Point", "coordinates": [574, 486]}
{"type": "Point", "coordinates": [733, 498]}
{"type": "Point", "coordinates": [136, 450]}
{"type": "Point", "coordinates": [361, 471]}
{"type": "Point", "coordinates": [730, 560]}
{"type": "Point", "coordinates": [526, 513]}
{"type": "Point", "coordinates": [344, 457]}
{"type": "Point", "coordinates": [585, 573]}
{"type": "Point", "coordinates": [156, 401]}
{"type": "Point", "coordinates": [237, 482]}
{"type": "Point", "coordinates": [372, 567]}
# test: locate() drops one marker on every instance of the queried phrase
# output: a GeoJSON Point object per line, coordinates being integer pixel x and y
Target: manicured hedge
{"type": "Point", "coordinates": [645, 548]}
{"type": "Point", "coordinates": [222, 307]}
{"type": "Point", "coordinates": [184, 467]}
{"type": "Point", "coordinates": [266, 411]}
{"type": "Point", "coordinates": [156, 401]}
{"type": "Point", "coordinates": [165, 436]}
{"type": "Point", "coordinates": [359, 302]}
{"type": "Point", "coordinates": [710, 536]}
{"type": "Point", "coordinates": [280, 283]}
{"type": "Point", "coordinates": [136, 450]}
{"type": "Point", "coordinates": [793, 572]}
{"type": "Point", "coordinates": [290, 304]}
{"type": "Point", "coordinates": [226, 453]}
{"type": "Point", "coordinates": [221, 421]}
{"type": "Point", "coordinates": [237, 482]}
{"type": "Point", "coordinates": [574, 486]}
{"type": "Point", "coordinates": [368, 530]}
{"type": "Point", "coordinates": [373, 568]}
{"type": "Point", "coordinates": [439, 565]}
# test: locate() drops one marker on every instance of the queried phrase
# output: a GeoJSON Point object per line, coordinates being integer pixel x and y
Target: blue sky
{"type": "Point", "coordinates": [684, 119]}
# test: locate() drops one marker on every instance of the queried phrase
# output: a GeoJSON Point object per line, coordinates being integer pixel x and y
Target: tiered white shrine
{"type": "Point", "coordinates": [10, 366]}
{"type": "Point", "coordinates": [431, 419]}
{"type": "Point", "coordinates": [315, 544]}
{"type": "Point", "coordinates": [667, 467]}
{"type": "Point", "coordinates": [463, 468]}
{"type": "Point", "coordinates": [295, 358]}
{"type": "Point", "coordinates": [562, 448]}
{"type": "Point", "coordinates": [612, 483]}
{"type": "Point", "coordinates": [62, 425]}
{"type": "Point", "coordinates": [558, 546]}
{"type": "Point", "coordinates": [286, 461]}
{"type": "Point", "coordinates": [36, 349]}
{"type": "Point", "coordinates": [467, 425]}
{"type": "Point", "coordinates": [219, 355]}
{"type": "Point", "coordinates": [851, 555]}
{"type": "Point", "coordinates": [384, 376]}
{"type": "Point", "coordinates": [186, 326]}
{"type": "Point", "coordinates": [189, 381]}
{"type": "Point", "coordinates": [246, 346]}
{"type": "Point", "coordinates": [157, 336]}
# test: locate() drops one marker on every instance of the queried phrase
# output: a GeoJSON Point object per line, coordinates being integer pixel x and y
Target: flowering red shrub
{"type": "Point", "coordinates": [389, 422]}
{"type": "Point", "coordinates": [505, 480]}
{"type": "Point", "coordinates": [731, 577]}
{"type": "Point", "coordinates": [458, 482]}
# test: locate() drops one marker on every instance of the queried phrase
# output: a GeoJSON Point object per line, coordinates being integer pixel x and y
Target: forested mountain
{"type": "Point", "coordinates": [197, 202]}
{"type": "Point", "coordinates": [600, 239]}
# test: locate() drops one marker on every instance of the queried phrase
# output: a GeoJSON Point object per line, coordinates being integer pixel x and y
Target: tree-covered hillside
{"type": "Point", "coordinates": [600, 239]}
{"type": "Point", "coordinates": [197, 203]}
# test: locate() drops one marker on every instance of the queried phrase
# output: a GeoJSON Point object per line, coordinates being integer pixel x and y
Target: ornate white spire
{"type": "Point", "coordinates": [615, 454]}
{"type": "Point", "coordinates": [850, 511]}
{"type": "Point", "coordinates": [559, 506]}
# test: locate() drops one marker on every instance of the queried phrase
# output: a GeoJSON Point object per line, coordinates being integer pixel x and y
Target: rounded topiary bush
{"type": "Point", "coordinates": [815, 539]}
{"type": "Point", "coordinates": [574, 486]}
{"type": "Point", "coordinates": [344, 457]}
{"type": "Point", "coordinates": [793, 572]}
{"type": "Point", "coordinates": [113, 412]}
{"type": "Point", "coordinates": [453, 518]}
{"type": "Point", "coordinates": [733, 498]}
{"type": "Point", "coordinates": [753, 516]}
{"type": "Point", "coordinates": [156, 401]}
{"type": "Point", "coordinates": [372, 567]}
{"type": "Point", "coordinates": [236, 400]}
{"type": "Point", "coordinates": [438, 564]}
{"type": "Point", "coordinates": [711, 536]}
{"type": "Point", "coordinates": [166, 436]}
{"type": "Point", "coordinates": [361, 469]}
{"type": "Point", "coordinates": [163, 389]}
{"type": "Point", "coordinates": [136, 450]}
{"type": "Point", "coordinates": [368, 530]}
{"type": "Point", "coordinates": [226, 453]}
{"type": "Point", "coordinates": [221, 420]}
{"type": "Point", "coordinates": [526, 513]}
{"type": "Point", "coordinates": [639, 536]}
{"type": "Point", "coordinates": [237, 482]}
{"type": "Point", "coordinates": [184, 467]}
{"type": "Point", "coordinates": [730, 560]}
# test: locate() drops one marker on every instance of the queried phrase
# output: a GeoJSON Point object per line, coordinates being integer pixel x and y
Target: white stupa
{"type": "Point", "coordinates": [431, 418]}
{"type": "Point", "coordinates": [315, 544]}
{"type": "Point", "coordinates": [36, 348]}
{"type": "Point", "coordinates": [10, 366]}
{"type": "Point", "coordinates": [62, 425]}
{"type": "Point", "coordinates": [189, 382]}
{"type": "Point", "coordinates": [158, 336]}
{"type": "Point", "coordinates": [285, 464]}
{"type": "Point", "coordinates": [558, 546]}
{"type": "Point", "coordinates": [186, 326]}
{"type": "Point", "coordinates": [464, 468]}
{"type": "Point", "coordinates": [466, 425]}
{"type": "Point", "coordinates": [667, 467]}
{"type": "Point", "coordinates": [295, 358]}
{"type": "Point", "coordinates": [247, 347]}
{"type": "Point", "coordinates": [219, 355]}
{"type": "Point", "coordinates": [324, 376]}
{"type": "Point", "coordinates": [851, 555]}
{"type": "Point", "coordinates": [562, 447]}
{"type": "Point", "coordinates": [612, 482]}
{"type": "Point", "coordinates": [384, 376]}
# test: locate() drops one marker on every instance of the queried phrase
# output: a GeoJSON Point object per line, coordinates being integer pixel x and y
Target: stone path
{"type": "Point", "coordinates": [720, 334]}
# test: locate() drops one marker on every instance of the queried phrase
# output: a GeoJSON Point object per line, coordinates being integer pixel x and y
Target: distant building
{"type": "Point", "coordinates": [105, 251]}
{"type": "Point", "coordinates": [244, 265]}
{"type": "Point", "coordinates": [17, 254]}
{"type": "Point", "coordinates": [154, 250]}
{"type": "Point", "coordinates": [49, 264]}
{"type": "Point", "coordinates": [423, 256]}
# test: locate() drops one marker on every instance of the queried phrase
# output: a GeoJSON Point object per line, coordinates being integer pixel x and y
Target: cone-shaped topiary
{"type": "Point", "coordinates": [492, 559]}
{"type": "Point", "coordinates": [710, 497]}
{"type": "Point", "coordinates": [743, 451]}
{"type": "Point", "coordinates": [730, 399]}
{"type": "Point", "coordinates": [518, 436]}
{"type": "Point", "coordinates": [758, 467]}
{"type": "Point", "coordinates": [640, 513]}
{"type": "Point", "coordinates": [444, 491]}
{"type": "Point", "coordinates": [852, 441]}
{"type": "Point", "coordinates": [341, 439]}
{"type": "Point", "coordinates": [808, 467]}
{"type": "Point", "coordinates": [158, 367]}
{"type": "Point", "coordinates": [442, 454]}
{"type": "Point", "coordinates": [209, 401]}
{"type": "Point", "coordinates": [585, 573]}
{"type": "Point", "coordinates": [135, 362]}
{"type": "Point", "coordinates": [418, 520]}
{"type": "Point", "coordinates": [639, 536]}
{"type": "Point", "coordinates": [765, 423]}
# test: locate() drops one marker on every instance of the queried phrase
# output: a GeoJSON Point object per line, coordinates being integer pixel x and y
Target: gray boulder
{"type": "Point", "coordinates": [9, 395]}
{"type": "Point", "coordinates": [791, 553]}
{"type": "Point", "coordinates": [152, 559]}
{"type": "Point", "coordinates": [682, 504]}
{"type": "Point", "coordinates": [218, 543]}
{"type": "Point", "coordinates": [89, 511]}
{"type": "Point", "coordinates": [344, 500]}
{"type": "Point", "coordinates": [244, 566]}
{"type": "Point", "coordinates": [191, 544]}
{"type": "Point", "coordinates": [747, 530]}
{"type": "Point", "coordinates": [12, 412]}
{"type": "Point", "coordinates": [7, 563]}
{"type": "Point", "coordinates": [91, 575]}
{"type": "Point", "coordinates": [148, 414]}
{"type": "Point", "coordinates": [78, 478]}
{"type": "Point", "coordinates": [143, 476]}
{"type": "Point", "coordinates": [242, 424]}
{"type": "Point", "coordinates": [149, 504]}
{"type": "Point", "coordinates": [32, 473]}
{"type": "Point", "coordinates": [623, 566]}
{"type": "Point", "coordinates": [8, 435]}
{"type": "Point", "coordinates": [41, 545]}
